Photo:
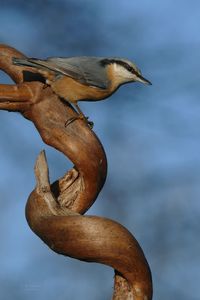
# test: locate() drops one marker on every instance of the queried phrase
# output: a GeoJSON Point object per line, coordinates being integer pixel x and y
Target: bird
{"type": "Point", "coordinates": [84, 78]}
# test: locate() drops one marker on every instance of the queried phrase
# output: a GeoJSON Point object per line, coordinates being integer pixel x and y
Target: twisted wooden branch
{"type": "Point", "coordinates": [54, 211]}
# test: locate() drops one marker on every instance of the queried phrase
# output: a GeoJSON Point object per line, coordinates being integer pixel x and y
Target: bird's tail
{"type": "Point", "coordinates": [29, 62]}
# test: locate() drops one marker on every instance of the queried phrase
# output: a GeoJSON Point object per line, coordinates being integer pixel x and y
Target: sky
{"type": "Point", "coordinates": [151, 135]}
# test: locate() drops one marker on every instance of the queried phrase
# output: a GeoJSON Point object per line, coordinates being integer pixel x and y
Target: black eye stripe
{"type": "Point", "coordinates": [108, 61]}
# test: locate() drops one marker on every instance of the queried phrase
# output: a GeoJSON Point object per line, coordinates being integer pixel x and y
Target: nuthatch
{"type": "Point", "coordinates": [84, 78]}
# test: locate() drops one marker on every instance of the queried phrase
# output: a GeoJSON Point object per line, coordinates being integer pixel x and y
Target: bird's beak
{"type": "Point", "coordinates": [140, 78]}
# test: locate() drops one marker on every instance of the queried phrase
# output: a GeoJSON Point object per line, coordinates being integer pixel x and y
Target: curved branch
{"type": "Point", "coordinates": [53, 211]}
{"type": "Point", "coordinates": [15, 98]}
{"type": "Point", "coordinates": [6, 54]}
{"type": "Point", "coordinates": [88, 238]}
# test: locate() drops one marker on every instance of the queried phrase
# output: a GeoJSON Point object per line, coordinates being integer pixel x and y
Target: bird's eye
{"type": "Point", "coordinates": [129, 68]}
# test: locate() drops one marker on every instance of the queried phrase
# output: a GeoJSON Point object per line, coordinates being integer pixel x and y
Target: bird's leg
{"type": "Point", "coordinates": [80, 116]}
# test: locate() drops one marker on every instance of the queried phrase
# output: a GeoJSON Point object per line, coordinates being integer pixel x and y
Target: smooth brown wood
{"type": "Point", "coordinates": [54, 211]}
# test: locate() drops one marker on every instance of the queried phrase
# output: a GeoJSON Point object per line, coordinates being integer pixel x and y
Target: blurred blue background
{"type": "Point", "coordinates": [151, 136]}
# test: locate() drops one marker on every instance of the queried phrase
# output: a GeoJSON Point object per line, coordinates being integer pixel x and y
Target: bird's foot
{"type": "Point", "coordinates": [45, 85]}
{"type": "Point", "coordinates": [82, 117]}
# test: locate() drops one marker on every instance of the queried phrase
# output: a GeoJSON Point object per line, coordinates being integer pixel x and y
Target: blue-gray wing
{"type": "Point", "coordinates": [87, 70]}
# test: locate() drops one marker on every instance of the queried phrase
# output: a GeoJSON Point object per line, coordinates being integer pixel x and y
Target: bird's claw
{"type": "Point", "coordinates": [71, 120]}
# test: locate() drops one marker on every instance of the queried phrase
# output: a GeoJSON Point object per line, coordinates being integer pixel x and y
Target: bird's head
{"type": "Point", "coordinates": [123, 71]}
